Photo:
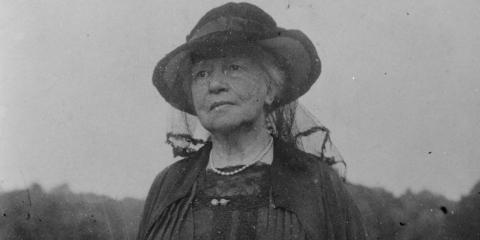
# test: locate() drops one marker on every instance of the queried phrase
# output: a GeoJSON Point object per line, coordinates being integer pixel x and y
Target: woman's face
{"type": "Point", "coordinates": [229, 92]}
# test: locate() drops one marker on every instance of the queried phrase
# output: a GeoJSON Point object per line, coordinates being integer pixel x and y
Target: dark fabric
{"type": "Point", "coordinates": [247, 214]}
{"type": "Point", "coordinates": [300, 182]}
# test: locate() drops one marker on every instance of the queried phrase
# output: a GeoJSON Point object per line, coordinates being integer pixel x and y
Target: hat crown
{"type": "Point", "coordinates": [240, 17]}
{"type": "Point", "coordinates": [236, 24]}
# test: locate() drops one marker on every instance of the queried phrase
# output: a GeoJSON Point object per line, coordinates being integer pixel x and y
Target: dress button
{"type": "Point", "coordinates": [224, 202]}
{"type": "Point", "coordinates": [214, 202]}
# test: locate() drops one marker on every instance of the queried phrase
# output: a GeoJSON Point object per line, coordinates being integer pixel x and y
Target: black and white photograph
{"type": "Point", "coordinates": [267, 120]}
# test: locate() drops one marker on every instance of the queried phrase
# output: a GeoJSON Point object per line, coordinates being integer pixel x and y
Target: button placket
{"type": "Point", "coordinates": [219, 202]}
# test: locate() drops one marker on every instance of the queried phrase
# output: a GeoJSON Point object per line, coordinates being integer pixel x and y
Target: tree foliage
{"type": "Point", "coordinates": [410, 216]}
{"type": "Point", "coordinates": [61, 214]}
{"type": "Point", "coordinates": [34, 213]}
{"type": "Point", "coordinates": [464, 222]}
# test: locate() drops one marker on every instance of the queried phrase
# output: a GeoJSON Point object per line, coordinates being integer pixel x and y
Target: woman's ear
{"type": "Point", "coordinates": [272, 92]}
{"type": "Point", "coordinates": [270, 97]}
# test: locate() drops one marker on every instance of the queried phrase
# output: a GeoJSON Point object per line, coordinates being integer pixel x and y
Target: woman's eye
{"type": "Point", "coordinates": [234, 67]}
{"type": "Point", "coordinates": [201, 74]}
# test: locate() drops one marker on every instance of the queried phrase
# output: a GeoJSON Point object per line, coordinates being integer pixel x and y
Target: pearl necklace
{"type": "Point", "coordinates": [259, 156]}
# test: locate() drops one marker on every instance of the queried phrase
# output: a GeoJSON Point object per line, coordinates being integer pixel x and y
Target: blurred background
{"type": "Point", "coordinates": [82, 129]}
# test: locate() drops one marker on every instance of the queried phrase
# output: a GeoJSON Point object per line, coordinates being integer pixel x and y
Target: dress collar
{"type": "Point", "coordinates": [287, 173]}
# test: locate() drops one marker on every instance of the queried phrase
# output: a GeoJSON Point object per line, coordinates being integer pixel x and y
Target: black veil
{"type": "Point", "coordinates": [292, 123]}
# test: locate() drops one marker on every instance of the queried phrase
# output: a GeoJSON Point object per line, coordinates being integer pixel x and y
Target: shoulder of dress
{"type": "Point", "coordinates": [175, 170]}
{"type": "Point", "coordinates": [169, 184]}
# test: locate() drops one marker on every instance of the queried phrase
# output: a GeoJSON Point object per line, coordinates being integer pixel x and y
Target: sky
{"type": "Point", "coordinates": [399, 90]}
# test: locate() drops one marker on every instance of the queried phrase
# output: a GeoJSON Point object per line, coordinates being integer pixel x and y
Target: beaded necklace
{"type": "Point", "coordinates": [255, 159]}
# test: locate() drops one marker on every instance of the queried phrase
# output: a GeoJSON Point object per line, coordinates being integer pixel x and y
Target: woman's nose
{"type": "Point", "coordinates": [217, 82]}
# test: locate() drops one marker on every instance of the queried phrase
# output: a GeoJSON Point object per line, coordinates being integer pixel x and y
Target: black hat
{"type": "Point", "coordinates": [237, 24]}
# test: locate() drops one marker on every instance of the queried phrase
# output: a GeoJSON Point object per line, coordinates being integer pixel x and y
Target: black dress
{"type": "Point", "coordinates": [298, 196]}
{"type": "Point", "coordinates": [239, 207]}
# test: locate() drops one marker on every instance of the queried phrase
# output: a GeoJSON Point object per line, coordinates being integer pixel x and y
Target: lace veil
{"type": "Point", "coordinates": [292, 123]}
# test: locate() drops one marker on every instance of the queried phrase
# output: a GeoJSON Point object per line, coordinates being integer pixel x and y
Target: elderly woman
{"type": "Point", "coordinates": [240, 75]}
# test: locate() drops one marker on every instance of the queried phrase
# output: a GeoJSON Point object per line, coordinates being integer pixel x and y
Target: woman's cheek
{"type": "Point", "coordinates": [198, 97]}
{"type": "Point", "coordinates": [247, 90]}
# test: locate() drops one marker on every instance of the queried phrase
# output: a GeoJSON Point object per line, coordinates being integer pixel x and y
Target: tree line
{"type": "Point", "coordinates": [35, 213]}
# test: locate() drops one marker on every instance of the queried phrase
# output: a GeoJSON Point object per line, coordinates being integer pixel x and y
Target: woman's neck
{"type": "Point", "coordinates": [238, 146]}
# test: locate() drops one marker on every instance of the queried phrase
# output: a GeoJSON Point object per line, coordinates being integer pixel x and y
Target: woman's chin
{"type": "Point", "coordinates": [222, 127]}
{"type": "Point", "coordinates": [228, 121]}
{"type": "Point", "coordinates": [224, 124]}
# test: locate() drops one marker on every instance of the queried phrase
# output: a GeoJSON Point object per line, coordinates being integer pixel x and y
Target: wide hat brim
{"type": "Point", "coordinates": [292, 49]}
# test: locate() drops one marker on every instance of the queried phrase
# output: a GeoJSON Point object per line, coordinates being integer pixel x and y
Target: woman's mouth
{"type": "Point", "coordinates": [217, 105]}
